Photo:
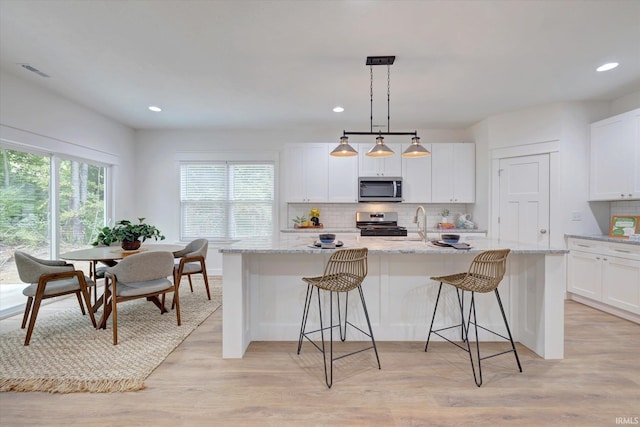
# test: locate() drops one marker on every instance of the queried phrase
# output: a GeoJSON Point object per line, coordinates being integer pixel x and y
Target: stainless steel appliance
{"type": "Point", "coordinates": [379, 224]}
{"type": "Point", "coordinates": [380, 189]}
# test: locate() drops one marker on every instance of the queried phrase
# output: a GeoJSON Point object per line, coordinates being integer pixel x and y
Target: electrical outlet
{"type": "Point", "coordinates": [576, 216]}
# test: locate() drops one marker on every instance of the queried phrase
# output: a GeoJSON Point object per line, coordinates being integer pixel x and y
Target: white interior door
{"type": "Point", "coordinates": [524, 199]}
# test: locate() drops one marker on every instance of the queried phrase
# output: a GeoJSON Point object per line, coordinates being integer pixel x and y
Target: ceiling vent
{"type": "Point", "coordinates": [34, 70]}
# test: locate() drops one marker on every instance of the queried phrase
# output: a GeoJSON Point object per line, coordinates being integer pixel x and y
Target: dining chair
{"type": "Point", "coordinates": [192, 261]}
{"type": "Point", "coordinates": [49, 279]}
{"type": "Point", "coordinates": [142, 275]}
{"type": "Point", "coordinates": [344, 272]}
{"type": "Point", "coordinates": [484, 275]}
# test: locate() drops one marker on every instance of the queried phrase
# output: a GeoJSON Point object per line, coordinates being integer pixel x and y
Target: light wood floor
{"type": "Point", "coordinates": [598, 381]}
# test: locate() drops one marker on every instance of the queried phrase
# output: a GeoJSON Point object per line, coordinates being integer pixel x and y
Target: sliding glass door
{"type": "Point", "coordinates": [48, 205]}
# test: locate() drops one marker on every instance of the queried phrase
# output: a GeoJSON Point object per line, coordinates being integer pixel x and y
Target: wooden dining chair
{"type": "Point", "coordinates": [191, 260]}
{"type": "Point", "coordinates": [142, 275]}
{"type": "Point", "coordinates": [49, 279]}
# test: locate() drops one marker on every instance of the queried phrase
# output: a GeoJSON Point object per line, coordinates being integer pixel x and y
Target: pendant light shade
{"type": "Point", "coordinates": [344, 149]}
{"type": "Point", "coordinates": [380, 149]}
{"type": "Point", "coordinates": [415, 149]}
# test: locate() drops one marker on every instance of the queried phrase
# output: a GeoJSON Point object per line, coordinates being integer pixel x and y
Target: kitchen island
{"type": "Point", "coordinates": [263, 294]}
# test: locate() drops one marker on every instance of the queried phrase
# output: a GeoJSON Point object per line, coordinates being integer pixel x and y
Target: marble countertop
{"type": "Point", "coordinates": [357, 230]}
{"type": "Point", "coordinates": [603, 238]}
{"type": "Point", "coordinates": [293, 243]}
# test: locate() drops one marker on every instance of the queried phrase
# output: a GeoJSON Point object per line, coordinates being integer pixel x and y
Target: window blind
{"type": "Point", "coordinates": [226, 200]}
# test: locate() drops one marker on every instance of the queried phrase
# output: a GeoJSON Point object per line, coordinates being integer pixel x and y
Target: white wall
{"type": "Point", "coordinates": [36, 117]}
{"type": "Point", "coordinates": [622, 105]}
{"type": "Point", "coordinates": [566, 123]}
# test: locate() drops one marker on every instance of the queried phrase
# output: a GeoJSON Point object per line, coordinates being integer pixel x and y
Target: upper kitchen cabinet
{"type": "Point", "coordinates": [379, 166]}
{"type": "Point", "coordinates": [453, 177]}
{"type": "Point", "coordinates": [305, 173]}
{"type": "Point", "coordinates": [343, 179]}
{"type": "Point", "coordinates": [615, 158]}
{"type": "Point", "coordinates": [416, 178]}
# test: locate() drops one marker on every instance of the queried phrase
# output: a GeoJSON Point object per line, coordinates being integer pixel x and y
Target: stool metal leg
{"type": "Point", "coordinates": [305, 314]}
{"type": "Point", "coordinates": [506, 324]}
{"type": "Point", "coordinates": [366, 315]}
{"type": "Point", "coordinates": [433, 318]}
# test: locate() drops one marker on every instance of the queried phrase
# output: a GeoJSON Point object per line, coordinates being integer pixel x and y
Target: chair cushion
{"type": "Point", "coordinates": [141, 288]}
{"type": "Point", "coordinates": [100, 272]}
{"type": "Point", "coordinates": [190, 267]}
{"type": "Point", "coordinates": [56, 287]}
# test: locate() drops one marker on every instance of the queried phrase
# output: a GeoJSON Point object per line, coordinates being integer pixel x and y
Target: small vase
{"type": "Point", "coordinates": [131, 245]}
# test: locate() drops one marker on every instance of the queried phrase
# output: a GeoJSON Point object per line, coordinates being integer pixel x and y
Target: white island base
{"type": "Point", "coordinates": [263, 296]}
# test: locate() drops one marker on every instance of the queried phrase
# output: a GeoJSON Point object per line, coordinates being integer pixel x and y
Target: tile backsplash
{"type": "Point", "coordinates": [631, 207]}
{"type": "Point", "coordinates": [343, 215]}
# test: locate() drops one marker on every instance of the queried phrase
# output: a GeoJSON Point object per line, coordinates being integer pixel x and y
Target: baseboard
{"type": "Point", "coordinates": [604, 307]}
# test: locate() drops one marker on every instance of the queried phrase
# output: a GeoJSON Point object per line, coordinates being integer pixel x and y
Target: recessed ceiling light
{"type": "Point", "coordinates": [338, 109]}
{"type": "Point", "coordinates": [608, 66]}
{"type": "Point", "coordinates": [154, 108]}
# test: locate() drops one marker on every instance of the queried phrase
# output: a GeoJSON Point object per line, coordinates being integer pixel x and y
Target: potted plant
{"type": "Point", "coordinates": [444, 214]}
{"type": "Point", "coordinates": [128, 233]}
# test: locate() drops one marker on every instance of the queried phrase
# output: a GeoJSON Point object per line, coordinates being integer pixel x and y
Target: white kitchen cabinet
{"type": "Point", "coordinates": [585, 274]}
{"type": "Point", "coordinates": [621, 283]}
{"type": "Point", "coordinates": [379, 166]}
{"type": "Point", "coordinates": [453, 173]}
{"type": "Point", "coordinates": [305, 174]}
{"type": "Point", "coordinates": [615, 158]}
{"type": "Point", "coordinates": [607, 274]}
{"type": "Point", "coordinates": [343, 179]}
{"type": "Point", "coordinates": [416, 178]}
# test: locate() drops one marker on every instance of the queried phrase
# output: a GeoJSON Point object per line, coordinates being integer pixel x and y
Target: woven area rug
{"type": "Point", "coordinates": [68, 355]}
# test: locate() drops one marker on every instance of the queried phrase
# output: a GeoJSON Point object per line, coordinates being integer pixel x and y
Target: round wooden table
{"type": "Point", "coordinates": [109, 255]}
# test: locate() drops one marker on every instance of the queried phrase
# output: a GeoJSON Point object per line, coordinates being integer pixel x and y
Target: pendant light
{"type": "Point", "coordinates": [344, 149]}
{"type": "Point", "coordinates": [380, 149]}
{"type": "Point", "coordinates": [415, 149]}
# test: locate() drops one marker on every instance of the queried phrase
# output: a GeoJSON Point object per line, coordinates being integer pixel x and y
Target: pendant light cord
{"type": "Point", "coordinates": [371, 98]}
{"type": "Point", "coordinates": [388, 97]}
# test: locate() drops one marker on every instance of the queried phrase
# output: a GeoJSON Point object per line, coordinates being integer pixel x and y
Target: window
{"type": "Point", "coordinates": [226, 200]}
{"type": "Point", "coordinates": [30, 184]}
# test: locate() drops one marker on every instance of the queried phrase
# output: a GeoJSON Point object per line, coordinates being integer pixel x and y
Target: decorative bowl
{"type": "Point", "coordinates": [450, 238]}
{"type": "Point", "coordinates": [327, 238]}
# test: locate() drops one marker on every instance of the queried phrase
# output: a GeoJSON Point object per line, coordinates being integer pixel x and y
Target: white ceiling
{"type": "Point", "coordinates": [286, 64]}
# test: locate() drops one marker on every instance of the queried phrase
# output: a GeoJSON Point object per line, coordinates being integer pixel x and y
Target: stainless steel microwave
{"type": "Point", "coordinates": [380, 189]}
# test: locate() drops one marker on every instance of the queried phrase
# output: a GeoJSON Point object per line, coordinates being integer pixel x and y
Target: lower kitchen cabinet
{"type": "Point", "coordinates": [605, 275]}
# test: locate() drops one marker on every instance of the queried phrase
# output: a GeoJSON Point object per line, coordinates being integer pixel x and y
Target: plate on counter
{"type": "Point", "coordinates": [442, 244]}
{"type": "Point", "coordinates": [318, 244]}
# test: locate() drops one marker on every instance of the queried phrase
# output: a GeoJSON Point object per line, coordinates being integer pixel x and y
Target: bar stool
{"type": "Point", "coordinates": [345, 271]}
{"type": "Point", "coordinates": [484, 275]}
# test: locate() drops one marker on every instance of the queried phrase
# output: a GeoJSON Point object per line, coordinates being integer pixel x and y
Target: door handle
{"type": "Point", "coordinates": [543, 231]}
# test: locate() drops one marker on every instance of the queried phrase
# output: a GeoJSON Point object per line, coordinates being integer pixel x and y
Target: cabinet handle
{"type": "Point", "coordinates": [604, 259]}
{"type": "Point", "coordinates": [583, 246]}
{"type": "Point", "coordinates": [622, 195]}
{"type": "Point", "coordinates": [622, 250]}
{"type": "Point", "coordinates": [597, 257]}
{"type": "Point", "coordinates": [543, 231]}
{"type": "Point", "coordinates": [629, 195]}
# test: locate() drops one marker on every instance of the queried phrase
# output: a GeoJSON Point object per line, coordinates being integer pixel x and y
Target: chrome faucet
{"type": "Point", "coordinates": [421, 232]}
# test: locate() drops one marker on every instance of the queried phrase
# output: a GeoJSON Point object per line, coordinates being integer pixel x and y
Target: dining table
{"type": "Point", "coordinates": [110, 255]}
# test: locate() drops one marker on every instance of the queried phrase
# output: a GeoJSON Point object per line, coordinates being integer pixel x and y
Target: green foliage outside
{"type": "Point", "coordinates": [24, 201]}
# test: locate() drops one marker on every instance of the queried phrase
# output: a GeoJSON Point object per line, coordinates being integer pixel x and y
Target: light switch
{"type": "Point", "coordinates": [576, 216]}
